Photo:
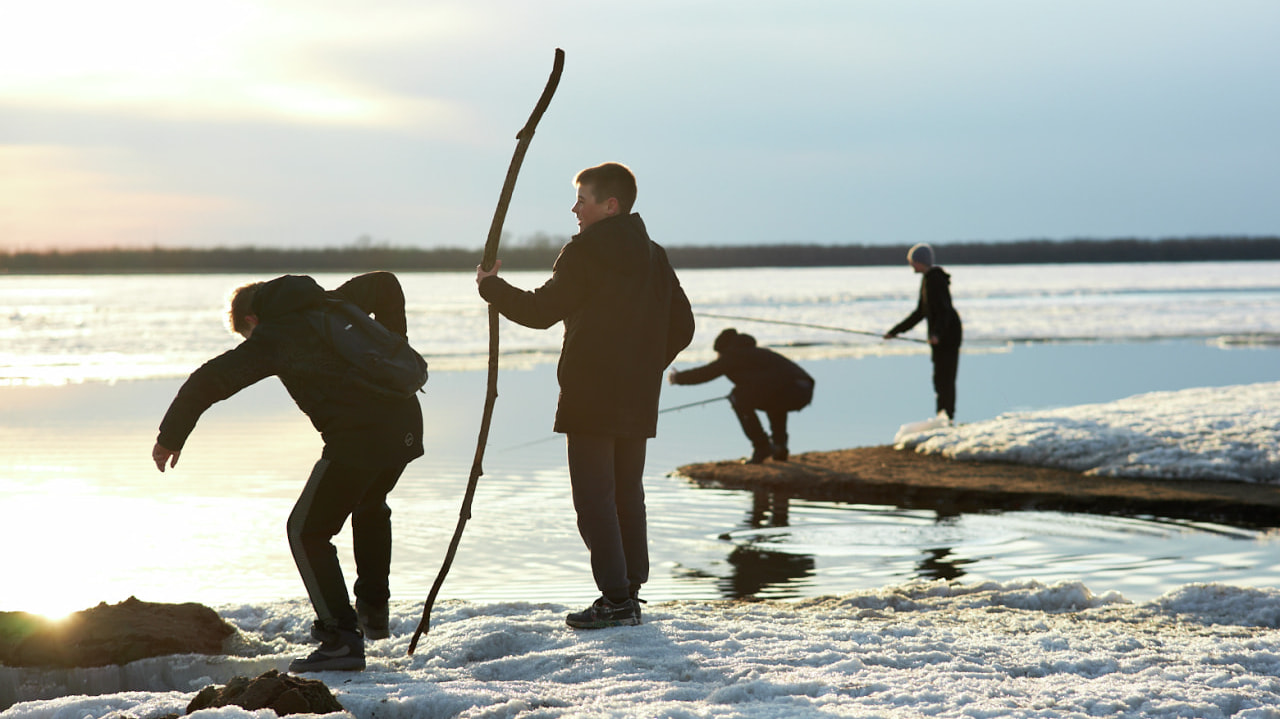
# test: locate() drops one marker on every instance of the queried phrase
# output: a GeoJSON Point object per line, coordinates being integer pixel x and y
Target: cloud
{"type": "Point", "coordinates": [748, 122]}
{"type": "Point", "coordinates": [227, 61]}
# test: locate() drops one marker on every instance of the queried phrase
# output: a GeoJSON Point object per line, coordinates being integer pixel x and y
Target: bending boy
{"type": "Point", "coordinates": [368, 440]}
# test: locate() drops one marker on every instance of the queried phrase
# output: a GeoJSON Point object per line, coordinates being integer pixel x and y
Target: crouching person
{"type": "Point", "coordinates": [763, 380]}
{"type": "Point", "coordinates": [369, 438]}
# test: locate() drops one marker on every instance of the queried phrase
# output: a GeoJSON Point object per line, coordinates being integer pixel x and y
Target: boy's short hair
{"type": "Point", "coordinates": [241, 306]}
{"type": "Point", "coordinates": [610, 179]}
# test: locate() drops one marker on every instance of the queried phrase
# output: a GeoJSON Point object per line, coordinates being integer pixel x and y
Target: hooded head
{"type": "Point", "coordinates": [263, 301]}
{"type": "Point", "coordinates": [286, 295]}
{"type": "Point", "coordinates": [730, 340]}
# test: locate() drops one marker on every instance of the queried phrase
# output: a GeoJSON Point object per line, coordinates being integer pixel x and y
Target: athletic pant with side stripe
{"type": "Point", "coordinates": [334, 492]}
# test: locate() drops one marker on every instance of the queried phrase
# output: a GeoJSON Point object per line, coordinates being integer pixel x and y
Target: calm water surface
{"type": "Point", "coordinates": [88, 518]}
{"type": "Point", "coordinates": [93, 521]}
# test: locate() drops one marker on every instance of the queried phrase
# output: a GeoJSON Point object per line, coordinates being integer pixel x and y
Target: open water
{"type": "Point", "coordinates": [89, 364]}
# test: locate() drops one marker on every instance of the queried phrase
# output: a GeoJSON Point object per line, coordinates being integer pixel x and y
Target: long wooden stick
{"type": "Point", "coordinates": [490, 257]}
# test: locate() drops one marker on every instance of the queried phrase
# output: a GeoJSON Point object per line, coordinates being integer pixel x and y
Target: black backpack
{"type": "Point", "coordinates": [383, 361]}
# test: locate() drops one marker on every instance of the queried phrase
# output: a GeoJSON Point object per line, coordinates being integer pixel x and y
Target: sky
{"type": "Point", "coordinates": [292, 123]}
{"type": "Point", "coordinates": [1017, 648]}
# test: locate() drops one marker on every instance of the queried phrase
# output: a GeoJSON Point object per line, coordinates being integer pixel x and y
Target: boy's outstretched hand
{"type": "Point", "coordinates": [161, 455]}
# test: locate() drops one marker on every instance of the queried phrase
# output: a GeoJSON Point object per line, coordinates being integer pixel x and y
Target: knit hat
{"type": "Point", "coordinates": [921, 253]}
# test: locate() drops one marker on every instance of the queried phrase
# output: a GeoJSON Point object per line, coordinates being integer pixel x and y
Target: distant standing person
{"type": "Point", "coordinates": [625, 319]}
{"type": "Point", "coordinates": [942, 322]}
{"type": "Point", "coordinates": [763, 380]}
{"type": "Point", "coordinates": [368, 441]}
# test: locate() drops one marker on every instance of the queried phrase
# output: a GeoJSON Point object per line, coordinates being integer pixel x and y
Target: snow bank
{"type": "Point", "coordinates": [1203, 433]}
{"type": "Point", "coordinates": [1017, 649]}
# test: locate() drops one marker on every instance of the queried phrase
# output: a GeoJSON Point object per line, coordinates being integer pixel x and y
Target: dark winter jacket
{"type": "Point", "coordinates": [934, 306]}
{"type": "Point", "coordinates": [625, 319]}
{"type": "Point", "coordinates": [358, 427]}
{"type": "Point", "coordinates": [762, 378]}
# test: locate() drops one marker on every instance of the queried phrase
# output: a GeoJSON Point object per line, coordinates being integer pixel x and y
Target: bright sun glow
{"type": "Point", "coordinates": [228, 59]}
{"type": "Point", "coordinates": [146, 41]}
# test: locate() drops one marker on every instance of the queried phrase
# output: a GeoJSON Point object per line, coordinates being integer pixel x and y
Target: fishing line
{"type": "Point", "coordinates": [806, 324]}
{"type": "Point", "coordinates": [661, 411]}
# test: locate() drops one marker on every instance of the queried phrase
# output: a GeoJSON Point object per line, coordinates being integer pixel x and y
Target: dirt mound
{"type": "Point", "coordinates": [281, 693]}
{"type": "Point", "coordinates": [111, 634]}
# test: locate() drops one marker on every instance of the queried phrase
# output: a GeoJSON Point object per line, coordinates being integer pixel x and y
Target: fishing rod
{"type": "Point", "coordinates": [661, 411]}
{"type": "Point", "coordinates": [692, 404]}
{"type": "Point", "coordinates": [806, 324]}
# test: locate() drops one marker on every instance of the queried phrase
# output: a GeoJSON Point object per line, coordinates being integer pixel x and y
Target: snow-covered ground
{"type": "Point", "coordinates": [1225, 433]}
{"type": "Point", "coordinates": [936, 649]}
{"type": "Point", "coordinates": [922, 649]}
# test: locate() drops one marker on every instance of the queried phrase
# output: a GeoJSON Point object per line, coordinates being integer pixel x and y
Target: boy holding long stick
{"type": "Point", "coordinates": [625, 319]}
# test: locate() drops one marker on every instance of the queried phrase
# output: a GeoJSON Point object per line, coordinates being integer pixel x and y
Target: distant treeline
{"type": "Point", "coordinates": [541, 254]}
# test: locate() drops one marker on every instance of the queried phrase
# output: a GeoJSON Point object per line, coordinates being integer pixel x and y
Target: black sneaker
{"type": "Point", "coordinates": [604, 613]}
{"type": "Point", "coordinates": [760, 454]}
{"type": "Point", "coordinates": [635, 597]}
{"type": "Point", "coordinates": [373, 620]}
{"type": "Point", "coordinates": [323, 633]}
{"type": "Point", "coordinates": [342, 650]}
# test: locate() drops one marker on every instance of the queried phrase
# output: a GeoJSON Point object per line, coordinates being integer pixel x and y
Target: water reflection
{"type": "Point", "coordinates": [763, 564]}
{"type": "Point", "coordinates": [787, 546]}
{"type": "Point", "coordinates": [935, 565]}
{"type": "Point", "coordinates": [769, 508]}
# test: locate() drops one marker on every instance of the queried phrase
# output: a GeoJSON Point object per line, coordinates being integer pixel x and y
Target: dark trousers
{"type": "Point", "coordinates": [334, 492]}
{"type": "Point", "coordinates": [775, 405]}
{"type": "Point", "coordinates": [946, 363]}
{"type": "Point", "coordinates": [751, 426]}
{"type": "Point", "coordinates": [606, 474]}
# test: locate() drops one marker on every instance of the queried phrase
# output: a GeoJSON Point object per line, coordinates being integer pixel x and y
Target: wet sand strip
{"type": "Point", "coordinates": [885, 476]}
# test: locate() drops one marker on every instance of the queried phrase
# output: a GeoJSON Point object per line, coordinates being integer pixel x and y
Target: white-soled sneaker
{"type": "Point", "coordinates": [604, 613]}
{"type": "Point", "coordinates": [343, 650]}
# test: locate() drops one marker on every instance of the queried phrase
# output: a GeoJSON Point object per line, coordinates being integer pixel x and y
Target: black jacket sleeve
{"type": "Point", "coordinates": [214, 381]}
{"type": "Point", "coordinates": [379, 294]}
{"type": "Point", "coordinates": [913, 319]}
{"type": "Point", "coordinates": [556, 299]}
{"type": "Point", "coordinates": [707, 372]}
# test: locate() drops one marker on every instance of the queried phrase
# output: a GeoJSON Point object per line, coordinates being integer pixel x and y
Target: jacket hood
{"type": "Point", "coordinates": [731, 340]}
{"type": "Point", "coordinates": [621, 243]}
{"type": "Point", "coordinates": [286, 295]}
